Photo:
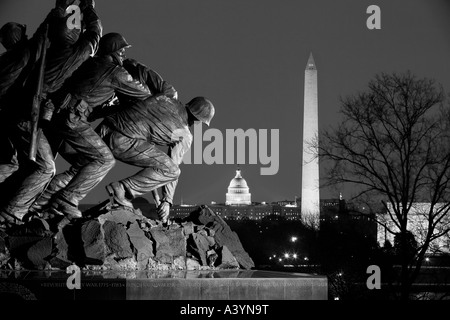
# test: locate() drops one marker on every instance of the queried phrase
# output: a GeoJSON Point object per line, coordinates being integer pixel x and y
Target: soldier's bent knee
{"type": "Point", "coordinates": [109, 162]}
{"type": "Point", "coordinates": [48, 169]}
{"type": "Point", "coordinates": [106, 158]}
{"type": "Point", "coordinates": [176, 172]}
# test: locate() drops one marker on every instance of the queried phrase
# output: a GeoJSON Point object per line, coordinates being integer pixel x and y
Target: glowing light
{"type": "Point", "coordinates": [293, 239]}
{"type": "Point", "coordinates": [294, 256]}
{"type": "Point", "coordinates": [286, 255]}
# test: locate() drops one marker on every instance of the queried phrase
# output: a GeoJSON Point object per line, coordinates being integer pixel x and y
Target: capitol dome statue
{"type": "Point", "coordinates": [238, 191]}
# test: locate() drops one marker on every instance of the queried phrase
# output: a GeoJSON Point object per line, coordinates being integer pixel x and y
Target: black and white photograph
{"type": "Point", "coordinates": [232, 158]}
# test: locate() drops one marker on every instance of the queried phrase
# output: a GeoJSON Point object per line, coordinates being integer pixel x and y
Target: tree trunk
{"type": "Point", "coordinates": [404, 275]}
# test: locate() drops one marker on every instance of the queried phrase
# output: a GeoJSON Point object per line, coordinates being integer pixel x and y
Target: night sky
{"type": "Point", "coordinates": [248, 57]}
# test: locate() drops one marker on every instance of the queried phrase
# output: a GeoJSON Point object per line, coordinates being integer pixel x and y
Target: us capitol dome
{"type": "Point", "coordinates": [238, 191]}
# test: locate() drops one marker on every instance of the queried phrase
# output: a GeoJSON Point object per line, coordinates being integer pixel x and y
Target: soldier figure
{"type": "Point", "coordinates": [133, 135]}
{"type": "Point", "coordinates": [92, 85]}
{"type": "Point", "coordinates": [15, 66]}
{"type": "Point", "coordinates": [68, 50]}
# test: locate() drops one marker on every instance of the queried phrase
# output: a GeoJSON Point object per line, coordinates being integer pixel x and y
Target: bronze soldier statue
{"type": "Point", "coordinates": [133, 135]}
{"type": "Point", "coordinates": [16, 65]}
{"type": "Point", "coordinates": [140, 72]}
{"type": "Point", "coordinates": [93, 84]}
{"type": "Point", "coordinates": [69, 49]}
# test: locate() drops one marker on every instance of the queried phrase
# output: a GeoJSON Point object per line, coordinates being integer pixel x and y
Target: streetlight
{"type": "Point", "coordinates": [294, 256]}
{"type": "Point", "coordinates": [286, 255]}
{"type": "Point", "coordinates": [294, 239]}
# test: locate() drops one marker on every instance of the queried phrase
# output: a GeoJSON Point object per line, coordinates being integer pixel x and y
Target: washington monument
{"type": "Point", "coordinates": [310, 163]}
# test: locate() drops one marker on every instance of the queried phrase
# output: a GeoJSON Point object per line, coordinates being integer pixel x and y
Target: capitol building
{"type": "Point", "coordinates": [238, 191]}
{"type": "Point", "coordinates": [239, 206]}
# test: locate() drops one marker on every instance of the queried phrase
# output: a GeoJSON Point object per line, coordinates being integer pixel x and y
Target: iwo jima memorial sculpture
{"type": "Point", "coordinates": [53, 86]}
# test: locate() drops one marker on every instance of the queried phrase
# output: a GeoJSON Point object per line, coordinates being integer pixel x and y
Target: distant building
{"type": "Point", "coordinates": [238, 205]}
{"type": "Point", "coordinates": [285, 202]}
{"type": "Point", "coordinates": [243, 212]}
{"type": "Point", "coordinates": [331, 209]}
{"type": "Point", "coordinates": [417, 224]}
{"type": "Point", "coordinates": [181, 211]}
{"type": "Point", "coordinates": [238, 191]}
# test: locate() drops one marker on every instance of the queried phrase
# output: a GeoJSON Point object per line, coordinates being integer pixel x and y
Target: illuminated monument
{"type": "Point", "coordinates": [310, 209]}
{"type": "Point", "coordinates": [238, 191]}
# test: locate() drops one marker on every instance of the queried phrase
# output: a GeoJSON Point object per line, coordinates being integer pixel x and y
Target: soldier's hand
{"type": "Point", "coordinates": [112, 102]}
{"type": "Point", "coordinates": [164, 211]}
{"type": "Point", "coordinates": [47, 110]}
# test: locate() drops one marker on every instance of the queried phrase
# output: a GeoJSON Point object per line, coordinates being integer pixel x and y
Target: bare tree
{"type": "Point", "coordinates": [393, 146]}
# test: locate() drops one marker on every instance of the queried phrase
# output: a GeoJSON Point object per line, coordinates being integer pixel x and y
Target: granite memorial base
{"type": "Point", "coordinates": [162, 285]}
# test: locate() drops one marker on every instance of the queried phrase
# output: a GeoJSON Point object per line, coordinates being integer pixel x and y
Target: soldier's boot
{"type": "Point", "coordinates": [117, 192]}
{"type": "Point", "coordinates": [39, 206]}
{"type": "Point", "coordinates": [63, 207]}
{"type": "Point", "coordinates": [43, 202]}
{"type": "Point", "coordinates": [8, 220]}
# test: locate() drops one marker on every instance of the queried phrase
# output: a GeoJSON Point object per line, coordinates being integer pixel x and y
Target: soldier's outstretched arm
{"type": "Point", "coordinates": [90, 38]}
{"type": "Point", "coordinates": [124, 84]}
{"type": "Point", "coordinates": [151, 78]}
{"type": "Point", "coordinates": [155, 81]}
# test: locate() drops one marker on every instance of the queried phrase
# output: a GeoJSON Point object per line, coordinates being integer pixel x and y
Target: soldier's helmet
{"type": "Point", "coordinates": [110, 43]}
{"type": "Point", "coordinates": [202, 109]}
{"type": "Point", "coordinates": [12, 33]}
